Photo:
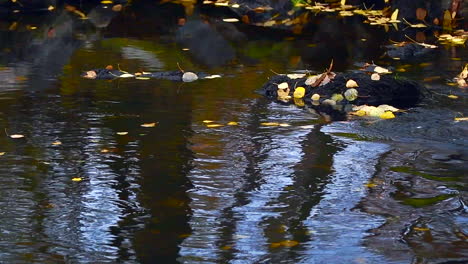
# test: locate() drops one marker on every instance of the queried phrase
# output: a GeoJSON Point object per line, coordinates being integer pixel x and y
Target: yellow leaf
{"type": "Point", "coordinates": [2, 153]}
{"type": "Point", "coordinates": [394, 16]}
{"type": "Point", "coordinates": [16, 136]}
{"type": "Point", "coordinates": [381, 70]}
{"type": "Point", "coordinates": [421, 229]}
{"type": "Point", "coordinates": [230, 20]}
{"type": "Point", "coordinates": [50, 8]}
{"type": "Point", "coordinates": [105, 150]}
{"type": "Point", "coordinates": [315, 97]}
{"type": "Point", "coordinates": [299, 92]}
{"type": "Point", "coordinates": [269, 124]}
{"type": "Point", "coordinates": [370, 185]}
{"type": "Point", "coordinates": [226, 247]}
{"type": "Point", "coordinates": [122, 133]}
{"type": "Point", "coordinates": [77, 179]}
{"type": "Point", "coordinates": [461, 118]}
{"type": "Point", "coordinates": [351, 84]}
{"type": "Point", "coordinates": [56, 143]}
{"type": "Point", "coordinates": [289, 243]}
{"type": "Point", "coordinates": [275, 245]}
{"type": "Point", "coordinates": [208, 121]}
{"type": "Point", "coordinates": [451, 96]}
{"type": "Point", "coordinates": [284, 125]}
{"type": "Point", "coordinates": [148, 125]}
{"type": "Point", "coordinates": [375, 77]}
{"type": "Point", "coordinates": [387, 115]}
{"type": "Point", "coordinates": [106, 2]}
{"type": "Point", "coordinates": [232, 123]}
{"type": "Point", "coordinates": [142, 78]}
{"type": "Point", "coordinates": [214, 125]}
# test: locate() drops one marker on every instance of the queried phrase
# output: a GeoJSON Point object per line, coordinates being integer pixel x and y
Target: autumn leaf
{"type": "Point", "coordinates": [56, 143]}
{"type": "Point", "coordinates": [232, 123]}
{"type": "Point", "coordinates": [77, 179]}
{"type": "Point", "coordinates": [122, 133]}
{"type": "Point", "coordinates": [15, 136]}
{"type": "Point", "coordinates": [148, 125]}
{"type": "Point", "coordinates": [214, 125]}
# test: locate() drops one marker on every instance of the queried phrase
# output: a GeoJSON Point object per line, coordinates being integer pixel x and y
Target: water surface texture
{"type": "Point", "coordinates": [89, 184]}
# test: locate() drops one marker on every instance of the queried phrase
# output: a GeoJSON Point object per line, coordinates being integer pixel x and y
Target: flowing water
{"type": "Point", "coordinates": [88, 184]}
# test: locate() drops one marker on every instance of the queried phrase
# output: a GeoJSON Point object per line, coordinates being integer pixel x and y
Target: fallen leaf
{"type": "Point", "coordinates": [370, 185]}
{"type": "Point", "coordinates": [386, 107]}
{"type": "Point", "coordinates": [189, 77]}
{"type": "Point", "coordinates": [2, 153]}
{"type": "Point", "coordinates": [315, 97]}
{"type": "Point", "coordinates": [122, 133]}
{"type": "Point", "coordinates": [451, 96]}
{"type": "Point", "coordinates": [77, 179]}
{"type": "Point", "coordinates": [214, 125]}
{"type": "Point", "coordinates": [299, 92]}
{"type": "Point", "coordinates": [387, 115]}
{"type": "Point", "coordinates": [375, 77]}
{"type": "Point", "coordinates": [289, 243]}
{"type": "Point", "coordinates": [16, 136]}
{"type": "Point", "coordinates": [461, 118]}
{"type": "Point", "coordinates": [126, 75]}
{"type": "Point", "coordinates": [56, 143]}
{"type": "Point", "coordinates": [212, 76]}
{"type": "Point", "coordinates": [421, 229]}
{"type": "Point", "coordinates": [284, 125]}
{"type": "Point", "coordinates": [105, 150]}
{"type": "Point", "coordinates": [270, 124]}
{"type": "Point", "coordinates": [381, 70]}
{"type": "Point", "coordinates": [351, 94]}
{"type": "Point", "coordinates": [230, 20]}
{"type": "Point", "coordinates": [148, 125]}
{"type": "Point", "coordinates": [295, 75]}
{"type": "Point", "coordinates": [232, 123]}
{"type": "Point", "coordinates": [351, 84]}
{"type": "Point", "coordinates": [208, 121]}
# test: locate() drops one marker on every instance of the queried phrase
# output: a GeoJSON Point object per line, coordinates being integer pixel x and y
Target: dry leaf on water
{"type": "Point", "coordinates": [16, 136]}
{"type": "Point", "coordinates": [148, 125]}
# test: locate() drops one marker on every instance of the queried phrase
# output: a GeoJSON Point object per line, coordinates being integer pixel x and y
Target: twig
{"type": "Point", "coordinates": [275, 72]}
{"type": "Point", "coordinates": [180, 67]}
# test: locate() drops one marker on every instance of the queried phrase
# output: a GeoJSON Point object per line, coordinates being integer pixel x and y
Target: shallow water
{"type": "Point", "coordinates": [309, 192]}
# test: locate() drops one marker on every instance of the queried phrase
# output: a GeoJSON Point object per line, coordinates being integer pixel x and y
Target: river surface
{"type": "Point", "coordinates": [89, 184]}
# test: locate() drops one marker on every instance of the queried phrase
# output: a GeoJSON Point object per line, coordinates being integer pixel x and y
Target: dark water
{"type": "Point", "coordinates": [311, 192]}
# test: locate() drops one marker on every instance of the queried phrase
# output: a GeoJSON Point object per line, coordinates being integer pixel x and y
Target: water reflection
{"type": "Point", "coordinates": [182, 192]}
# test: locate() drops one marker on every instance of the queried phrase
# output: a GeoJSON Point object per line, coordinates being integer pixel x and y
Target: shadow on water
{"type": "Point", "coordinates": [89, 184]}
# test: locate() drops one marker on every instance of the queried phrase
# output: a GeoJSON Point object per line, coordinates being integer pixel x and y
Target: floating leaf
{"type": "Point", "coordinates": [351, 84]}
{"type": "Point", "coordinates": [289, 243]}
{"type": "Point", "coordinates": [214, 125]}
{"type": "Point", "coordinates": [56, 143]}
{"type": "Point", "coordinates": [2, 153]}
{"type": "Point", "coordinates": [295, 75]}
{"type": "Point", "coordinates": [337, 97]}
{"type": "Point", "coordinates": [126, 75]}
{"type": "Point", "coordinates": [106, 2]}
{"type": "Point", "coordinates": [208, 121]}
{"type": "Point", "coordinates": [351, 94]}
{"type": "Point", "coordinates": [142, 78]}
{"type": "Point", "coordinates": [189, 77]}
{"type": "Point", "coordinates": [212, 76]}
{"type": "Point", "coordinates": [122, 133]}
{"type": "Point", "coordinates": [284, 125]}
{"type": "Point", "coordinates": [315, 97]}
{"type": "Point", "coordinates": [381, 70]}
{"type": "Point", "coordinates": [423, 229]}
{"type": "Point", "coordinates": [451, 96]}
{"type": "Point", "coordinates": [386, 107]}
{"type": "Point", "coordinates": [16, 136]}
{"type": "Point", "coordinates": [230, 20]}
{"type": "Point", "coordinates": [461, 118]}
{"type": "Point", "coordinates": [370, 185]}
{"type": "Point", "coordinates": [387, 115]}
{"type": "Point", "coordinates": [77, 179]}
{"type": "Point", "coordinates": [105, 150]}
{"type": "Point", "coordinates": [394, 17]}
{"type": "Point", "coordinates": [375, 77]}
{"type": "Point", "coordinates": [299, 92]}
{"type": "Point", "coordinates": [283, 85]}
{"type": "Point", "coordinates": [270, 124]}
{"type": "Point", "coordinates": [232, 123]}
{"type": "Point", "coordinates": [148, 125]}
